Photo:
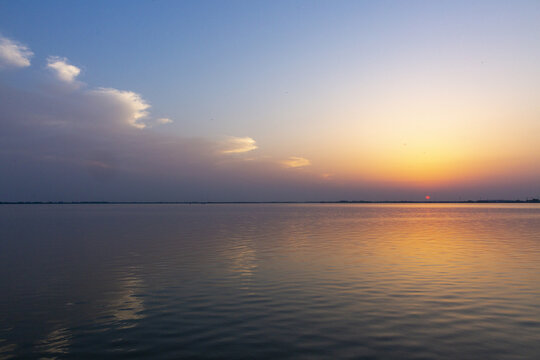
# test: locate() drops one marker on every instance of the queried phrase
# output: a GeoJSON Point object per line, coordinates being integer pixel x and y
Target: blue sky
{"type": "Point", "coordinates": [340, 86]}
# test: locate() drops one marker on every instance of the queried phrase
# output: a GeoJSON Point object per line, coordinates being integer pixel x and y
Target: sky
{"type": "Point", "coordinates": [269, 100]}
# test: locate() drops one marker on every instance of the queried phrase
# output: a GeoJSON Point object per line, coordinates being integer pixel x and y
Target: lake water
{"type": "Point", "coordinates": [270, 281]}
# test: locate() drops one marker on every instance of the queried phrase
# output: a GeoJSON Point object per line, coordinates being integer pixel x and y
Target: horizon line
{"type": "Point", "coordinates": [532, 200]}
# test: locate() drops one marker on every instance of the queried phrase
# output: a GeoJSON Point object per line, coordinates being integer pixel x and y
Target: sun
{"type": "Point", "coordinates": [428, 197]}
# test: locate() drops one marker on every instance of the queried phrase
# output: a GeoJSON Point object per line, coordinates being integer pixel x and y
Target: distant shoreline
{"type": "Point", "coordinates": [531, 201]}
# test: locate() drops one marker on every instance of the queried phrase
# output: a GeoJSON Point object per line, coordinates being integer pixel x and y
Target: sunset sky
{"type": "Point", "coordinates": [269, 100]}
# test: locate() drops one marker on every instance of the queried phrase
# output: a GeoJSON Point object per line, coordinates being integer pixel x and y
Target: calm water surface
{"type": "Point", "coordinates": [270, 281]}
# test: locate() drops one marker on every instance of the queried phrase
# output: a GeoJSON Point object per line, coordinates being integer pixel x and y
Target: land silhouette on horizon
{"type": "Point", "coordinates": [494, 201]}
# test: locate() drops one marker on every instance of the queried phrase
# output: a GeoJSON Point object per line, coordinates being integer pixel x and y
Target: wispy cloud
{"type": "Point", "coordinates": [63, 69]}
{"type": "Point", "coordinates": [14, 54]}
{"type": "Point", "coordinates": [236, 145]}
{"type": "Point", "coordinates": [163, 121]}
{"type": "Point", "coordinates": [296, 162]}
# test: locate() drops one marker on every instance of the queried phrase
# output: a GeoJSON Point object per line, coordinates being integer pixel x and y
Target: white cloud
{"type": "Point", "coordinates": [163, 121]}
{"type": "Point", "coordinates": [83, 138]}
{"type": "Point", "coordinates": [236, 145]}
{"type": "Point", "coordinates": [88, 139]}
{"type": "Point", "coordinates": [62, 69]}
{"type": "Point", "coordinates": [129, 106]}
{"type": "Point", "coordinates": [152, 122]}
{"type": "Point", "coordinates": [136, 107]}
{"type": "Point", "coordinates": [14, 54]}
{"type": "Point", "coordinates": [296, 162]}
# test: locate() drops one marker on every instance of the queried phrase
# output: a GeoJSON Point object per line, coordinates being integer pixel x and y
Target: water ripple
{"type": "Point", "coordinates": [270, 281]}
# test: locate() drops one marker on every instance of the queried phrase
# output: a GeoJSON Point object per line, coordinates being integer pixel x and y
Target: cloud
{"type": "Point", "coordinates": [236, 145]}
{"type": "Point", "coordinates": [99, 144]}
{"type": "Point", "coordinates": [81, 146]}
{"type": "Point", "coordinates": [133, 105]}
{"type": "Point", "coordinates": [14, 54]}
{"type": "Point", "coordinates": [163, 121]}
{"type": "Point", "coordinates": [296, 162]}
{"type": "Point", "coordinates": [62, 69]}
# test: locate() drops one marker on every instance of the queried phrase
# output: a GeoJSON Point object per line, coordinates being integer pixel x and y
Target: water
{"type": "Point", "coordinates": [270, 281]}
